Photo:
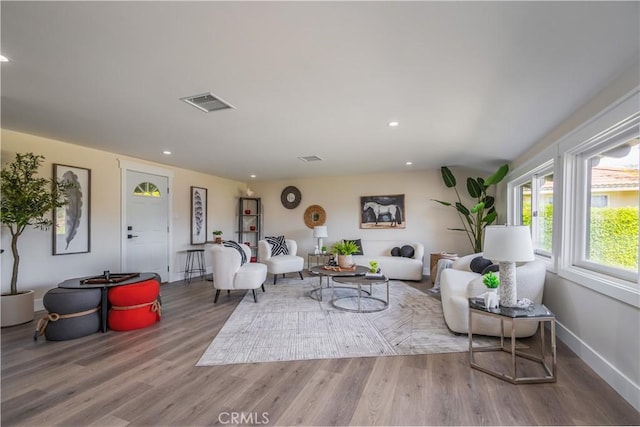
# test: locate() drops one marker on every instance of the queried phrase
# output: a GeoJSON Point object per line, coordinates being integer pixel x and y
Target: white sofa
{"type": "Point", "coordinates": [459, 283]}
{"type": "Point", "coordinates": [398, 268]}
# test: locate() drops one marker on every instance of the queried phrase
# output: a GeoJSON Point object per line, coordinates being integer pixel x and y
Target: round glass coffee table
{"type": "Point", "coordinates": [372, 303]}
{"type": "Point", "coordinates": [322, 272]}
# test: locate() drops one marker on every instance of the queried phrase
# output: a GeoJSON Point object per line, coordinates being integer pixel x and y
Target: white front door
{"type": "Point", "coordinates": [147, 223]}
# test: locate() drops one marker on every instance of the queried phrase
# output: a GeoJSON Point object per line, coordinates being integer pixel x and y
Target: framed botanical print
{"type": "Point", "coordinates": [72, 222]}
{"type": "Point", "coordinates": [198, 215]}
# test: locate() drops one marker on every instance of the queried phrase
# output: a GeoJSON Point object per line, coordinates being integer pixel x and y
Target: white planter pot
{"type": "Point", "coordinates": [345, 261]}
{"type": "Point", "coordinates": [16, 309]}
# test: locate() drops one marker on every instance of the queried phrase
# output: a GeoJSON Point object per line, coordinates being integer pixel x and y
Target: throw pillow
{"type": "Point", "coordinates": [395, 251]}
{"type": "Point", "coordinates": [493, 267]}
{"type": "Point", "coordinates": [278, 245]}
{"type": "Point", "coordinates": [479, 263]}
{"type": "Point", "coordinates": [236, 246]}
{"type": "Point", "coordinates": [358, 243]}
{"type": "Point", "coordinates": [407, 251]}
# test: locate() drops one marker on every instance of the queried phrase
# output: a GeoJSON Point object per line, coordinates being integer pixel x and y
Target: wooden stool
{"type": "Point", "coordinates": [194, 256]}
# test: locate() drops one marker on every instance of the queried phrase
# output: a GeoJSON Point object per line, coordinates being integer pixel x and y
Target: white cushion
{"type": "Point", "coordinates": [281, 264]}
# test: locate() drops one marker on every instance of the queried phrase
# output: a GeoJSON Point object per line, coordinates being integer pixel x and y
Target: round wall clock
{"type": "Point", "coordinates": [314, 215]}
{"type": "Point", "coordinates": [290, 197]}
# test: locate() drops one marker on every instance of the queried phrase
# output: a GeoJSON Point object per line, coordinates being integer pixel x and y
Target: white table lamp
{"type": "Point", "coordinates": [319, 232]}
{"type": "Point", "coordinates": [508, 244]}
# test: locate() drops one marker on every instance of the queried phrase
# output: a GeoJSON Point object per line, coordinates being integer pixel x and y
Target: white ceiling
{"type": "Point", "coordinates": [471, 83]}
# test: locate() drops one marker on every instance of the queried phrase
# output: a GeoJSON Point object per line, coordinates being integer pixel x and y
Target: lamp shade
{"type": "Point", "coordinates": [320, 231]}
{"type": "Point", "coordinates": [508, 243]}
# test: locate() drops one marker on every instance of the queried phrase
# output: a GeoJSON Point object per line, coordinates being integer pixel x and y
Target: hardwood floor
{"type": "Point", "coordinates": [149, 377]}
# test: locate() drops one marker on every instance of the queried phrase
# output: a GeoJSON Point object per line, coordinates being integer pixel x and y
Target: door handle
{"type": "Point", "coordinates": [131, 236]}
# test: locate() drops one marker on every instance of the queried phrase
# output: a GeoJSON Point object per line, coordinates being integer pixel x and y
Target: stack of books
{"type": "Point", "coordinates": [370, 275]}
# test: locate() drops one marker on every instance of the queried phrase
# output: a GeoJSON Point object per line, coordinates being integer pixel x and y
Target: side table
{"type": "Point", "coordinates": [533, 313]}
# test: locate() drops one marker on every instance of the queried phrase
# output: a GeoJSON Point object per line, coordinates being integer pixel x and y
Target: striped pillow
{"type": "Point", "coordinates": [236, 246]}
{"type": "Point", "coordinates": [278, 245]}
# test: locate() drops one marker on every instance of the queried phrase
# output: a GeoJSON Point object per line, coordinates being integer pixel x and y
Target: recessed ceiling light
{"type": "Point", "coordinates": [4, 58]}
{"type": "Point", "coordinates": [393, 124]}
{"type": "Point", "coordinates": [253, 176]}
{"type": "Point", "coordinates": [409, 163]}
{"type": "Point", "coordinates": [166, 152]}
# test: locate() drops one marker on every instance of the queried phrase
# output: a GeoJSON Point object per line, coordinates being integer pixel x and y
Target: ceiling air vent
{"type": "Point", "coordinates": [207, 102]}
{"type": "Point", "coordinates": [310, 158]}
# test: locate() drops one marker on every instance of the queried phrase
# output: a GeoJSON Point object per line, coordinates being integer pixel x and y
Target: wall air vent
{"type": "Point", "coordinates": [207, 102]}
{"type": "Point", "coordinates": [310, 158]}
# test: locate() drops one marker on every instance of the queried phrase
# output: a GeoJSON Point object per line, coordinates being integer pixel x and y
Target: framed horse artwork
{"type": "Point", "coordinates": [379, 212]}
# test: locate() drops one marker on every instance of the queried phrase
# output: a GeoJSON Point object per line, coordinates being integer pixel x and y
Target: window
{"type": "Point", "coordinates": [533, 197]}
{"type": "Point", "coordinates": [146, 189]}
{"type": "Point", "coordinates": [608, 228]}
{"type": "Point", "coordinates": [599, 200]}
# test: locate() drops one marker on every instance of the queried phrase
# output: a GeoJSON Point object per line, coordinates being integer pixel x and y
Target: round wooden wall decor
{"type": "Point", "coordinates": [290, 197]}
{"type": "Point", "coordinates": [314, 215]}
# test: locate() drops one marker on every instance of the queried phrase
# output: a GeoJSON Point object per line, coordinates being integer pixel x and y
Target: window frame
{"type": "Point", "coordinates": [580, 194]}
{"type": "Point", "coordinates": [514, 205]}
{"type": "Point", "coordinates": [615, 120]}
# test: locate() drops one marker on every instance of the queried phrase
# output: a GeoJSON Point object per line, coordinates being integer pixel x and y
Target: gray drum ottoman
{"type": "Point", "coordinates": [72, 313]}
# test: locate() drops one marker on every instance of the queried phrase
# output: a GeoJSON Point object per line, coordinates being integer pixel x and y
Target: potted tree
{"type": "Point", "coordinates": [345, 249]}
{"type": "Point", "coordinates": [26, 199]}
{"type": "Point", "coordinates": [475, 218]}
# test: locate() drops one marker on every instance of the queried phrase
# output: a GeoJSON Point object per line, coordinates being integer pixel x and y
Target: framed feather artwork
{"type": "Point", "coordinates": [72, 230]}
{"type": "Point", "coordinates": [198, 215]}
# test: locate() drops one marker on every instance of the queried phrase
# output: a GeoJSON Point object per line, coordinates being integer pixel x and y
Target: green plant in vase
{"type": "Point", "coordinates": [217, 236]}
{"type": "Point", "coordinates": [490, 280]}
{"type": "Point", "coordinates": [345, 249]}
{"type": "Point", "coordinates": [483, 212]}
{"type": "Point", "coordinates": [373, 266]}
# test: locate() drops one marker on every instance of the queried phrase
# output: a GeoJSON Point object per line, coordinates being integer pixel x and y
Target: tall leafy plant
{"type": "Point", "coordinates": [475, 218]}
{"type": "Point", "coordinates": [26, 199]}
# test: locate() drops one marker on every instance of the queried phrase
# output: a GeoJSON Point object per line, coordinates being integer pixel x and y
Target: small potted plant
{"type": "Point", "coordinates": [373, 267]}
{"type": "Point", "coordinates": [345, 250]}
{"type": "Point", "coordinates": [492, 282]}
{"type": "Point", "coordinates": [217, 236]}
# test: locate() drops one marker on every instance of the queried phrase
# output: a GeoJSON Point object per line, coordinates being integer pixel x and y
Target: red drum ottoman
{"type": "Point", "coordinates": [134, 306]}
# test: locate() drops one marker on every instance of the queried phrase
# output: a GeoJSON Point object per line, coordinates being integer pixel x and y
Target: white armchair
{"type": "Point", "coordinates": [229, 274]}
{"type": "Point", "coordinates": [281, 264]}
{"type": "Point", "coordinates": [459, 283]}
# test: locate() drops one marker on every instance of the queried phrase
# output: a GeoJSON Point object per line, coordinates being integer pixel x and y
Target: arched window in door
{"type": "Point", "coordinates": [146, 189]}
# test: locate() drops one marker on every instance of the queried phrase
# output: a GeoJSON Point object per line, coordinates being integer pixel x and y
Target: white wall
{"type": "Point", "coordinates": [601, 330]}
{"type": "Point", "coordinates": [40, 270]}
{"type": "Point", "coordinates": [426, 221]}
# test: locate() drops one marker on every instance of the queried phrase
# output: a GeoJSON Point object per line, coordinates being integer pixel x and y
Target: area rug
{"type": "Point", "coordinates": [286, 324]}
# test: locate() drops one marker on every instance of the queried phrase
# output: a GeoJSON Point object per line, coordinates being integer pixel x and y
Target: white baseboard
{"type": "Point", "coordinates": [616, 379]}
